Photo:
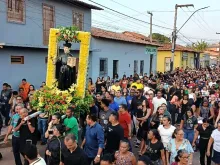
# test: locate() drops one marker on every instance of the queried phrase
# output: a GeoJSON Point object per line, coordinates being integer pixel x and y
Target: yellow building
{"type": "Point", "coordinates": [183, 57]}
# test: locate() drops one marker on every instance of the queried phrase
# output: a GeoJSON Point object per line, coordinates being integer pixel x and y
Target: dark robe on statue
{"type": "Point", "coordinates": [65, 74]}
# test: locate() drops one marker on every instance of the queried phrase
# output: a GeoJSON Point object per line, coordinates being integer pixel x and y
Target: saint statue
{"type": "Point", "coordinates": [65, 68]}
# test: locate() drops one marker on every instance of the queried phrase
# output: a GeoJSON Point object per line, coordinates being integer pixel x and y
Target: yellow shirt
{"type": "Point", "coordinates": [116, 88]}
{"type": "Point", "coordinates": [139, 86]}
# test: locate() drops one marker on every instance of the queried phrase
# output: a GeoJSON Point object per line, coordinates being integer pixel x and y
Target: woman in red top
{"type": "Point", "coordinates": [124, 82]}
{"type": "Point", "coordinates": [150, 99]}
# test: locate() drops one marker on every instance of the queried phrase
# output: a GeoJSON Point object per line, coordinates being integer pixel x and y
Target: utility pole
{"type": "Point", "coordinates": [151, 21]}
{"type": "Point", "coordinates": [218, 52]}
{"type": "Point", "coordinates": [174, 34]}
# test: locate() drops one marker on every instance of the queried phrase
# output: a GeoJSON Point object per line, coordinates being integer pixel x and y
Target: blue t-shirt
{"type": "Point", "coordinates": [114, 106]}
{"type": "Point", "coordinates": [120, 100]}
{"type": "Point", "coordinates": [129, 99]}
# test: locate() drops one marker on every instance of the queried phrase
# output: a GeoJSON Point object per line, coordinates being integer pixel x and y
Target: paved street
{"type": "Point", "coordinates": [8, 156]}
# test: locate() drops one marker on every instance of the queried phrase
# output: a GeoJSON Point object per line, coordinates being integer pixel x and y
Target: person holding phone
{"type": "Point", "coordinates": [55, 120]}
{"type": "Point", "coordinates": [55, 145]}
{"type": "Point", "coordinates": [26, 127]}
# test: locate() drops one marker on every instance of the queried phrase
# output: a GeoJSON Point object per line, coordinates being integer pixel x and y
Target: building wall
{"type": "Point", "coordinates": [161, 59]}
{"type": "Point", "coordinates": [189, 61]}
{"type": "Point", "coordinates": [204, 60]}
{"type": "Point", "coordinates": [34, 68]}
{"type": "Point", "coordinates": [125, 52]}
{"type": "Point", "coordinates": [30, 34]}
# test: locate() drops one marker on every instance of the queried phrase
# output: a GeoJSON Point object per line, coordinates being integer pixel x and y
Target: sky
{"type": "Point", "coordinates": [203, 25]}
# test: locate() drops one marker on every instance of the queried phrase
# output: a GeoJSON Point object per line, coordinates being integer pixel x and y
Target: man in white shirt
{"type": "Point", "coordinates": [158, 101]}
{"type": "Point", "coordinates": [31, 154]}
{"type": "Point", "coordinates": [146, 88]}
{"type": "Point", "coordinates": [211, 83]}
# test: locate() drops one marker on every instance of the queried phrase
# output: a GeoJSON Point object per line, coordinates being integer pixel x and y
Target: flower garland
{"type": "Point", "coordinates": [83, 63]}
{"type": "Point", "coordinates": [52, 54]}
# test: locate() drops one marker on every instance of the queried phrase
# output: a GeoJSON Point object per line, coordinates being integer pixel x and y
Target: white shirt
{"type": "Point", "coordinates": [158, 102]}
{"type": "Point", "coordinates": [216, 136]}
{"type": "Point", "coordinates": [146, 89]}
{"type": "Point", "coordinates": [211, 83]}
{"type": "Point", "coordinates": [205, 93]}
{"type": "Point", "coordinates": [191, 96]}
{"type": "Point", "coordinates": [39, 161]}
{"type": "Point", "coordinates": [166, 134]}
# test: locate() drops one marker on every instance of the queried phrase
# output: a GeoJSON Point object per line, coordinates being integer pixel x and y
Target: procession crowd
{"type": "Point", "coordinates": [166, 116]}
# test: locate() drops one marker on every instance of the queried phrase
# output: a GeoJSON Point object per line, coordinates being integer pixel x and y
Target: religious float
{"type": "Point", "coordinates": [63, 88]}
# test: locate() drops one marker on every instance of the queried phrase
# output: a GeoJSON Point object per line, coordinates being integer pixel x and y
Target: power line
{"type": "Point", "coordinates": [186, 38]}
{"type": "Point", "coordinates": [65, 19]}
{"type": "Point", "coordinates": [61, 13]}
{"type": "Point", "coordinates": [183, 40]}
{"type": "Point", "coordinates": [133, 27]}
{"type": "Point", "coordinates": [200, 22]}
{"type": "Point", "coordinates": [138, 12]}
{"type": "Point", "coordinates": [204, 20]}
{"type": "Point", "coordinates": [170, 11]}
{"type": "Point", "coordinates": [123, 19]}
{"type": "Point", "coordinates": [114, 21]}
{"type": "Point", "coordinates": [129, 16]}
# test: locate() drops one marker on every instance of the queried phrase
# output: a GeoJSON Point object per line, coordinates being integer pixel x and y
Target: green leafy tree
{"type": "Point", "coordinates": [199, 46]}
{"type": "Point", "coordinates": [161, 38]}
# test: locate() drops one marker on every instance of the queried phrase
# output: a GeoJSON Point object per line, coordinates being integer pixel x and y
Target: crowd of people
{"type": "Point", "coordinates": [165, 116]}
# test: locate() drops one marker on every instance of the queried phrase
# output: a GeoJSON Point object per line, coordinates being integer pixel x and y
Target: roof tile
{"type": "Point", "coordinates": [100, 33]}
{"type": "Point", "coordinates": [168, 47]}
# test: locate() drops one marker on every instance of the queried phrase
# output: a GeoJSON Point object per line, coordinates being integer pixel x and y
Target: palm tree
{"type": "Point", "coordinates": [199, 46]}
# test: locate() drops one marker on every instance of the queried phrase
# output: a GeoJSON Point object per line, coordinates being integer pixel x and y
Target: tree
{"type": "Point", "coordinates": [161, 38]}
{"type": "Point", "coordinates": [199, 46]}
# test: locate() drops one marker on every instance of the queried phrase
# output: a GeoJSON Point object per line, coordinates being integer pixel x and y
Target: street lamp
{"type": "Point", "coordinates": [191, 16]}
{"type": "Point", "coordinates": [175, 32]}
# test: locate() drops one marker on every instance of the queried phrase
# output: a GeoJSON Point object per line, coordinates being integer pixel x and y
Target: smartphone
{"type": "Point", "coordinates": [29, 141]}
{"type": "Point", "coordinates": [50, 132]}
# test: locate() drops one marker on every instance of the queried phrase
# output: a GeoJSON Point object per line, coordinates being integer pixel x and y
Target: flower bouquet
{"type": "Point", "coordinates": [68, 34]}
{"type": "Point", "coordinates": [54, 100]}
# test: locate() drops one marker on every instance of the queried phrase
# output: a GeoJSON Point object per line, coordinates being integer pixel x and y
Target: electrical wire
{"type": "Point", "coordinates": [61, 13]}
{"type": "Point", "coordinates": [65, 18]}
{"type": "Point", "coordinates": [199, 21]}
{"type": "Point", "coordinates": [133, 27]}
{"type": "Point", "coordinates": [170, 11]}
{"type": "Point", "coordinates": [130, 16]}
{"type": "Point", "coordinates": [98, 23]}
{"type": "Point", "coordinates": [204, 20]}
{"type": "Point", "coordinates": [139, 12]}
{"type": "Point", "coordinates": [186, 37]}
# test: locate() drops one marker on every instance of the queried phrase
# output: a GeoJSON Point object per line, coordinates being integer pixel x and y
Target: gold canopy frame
{"type": "Point", "coordinates": [84, 38]}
